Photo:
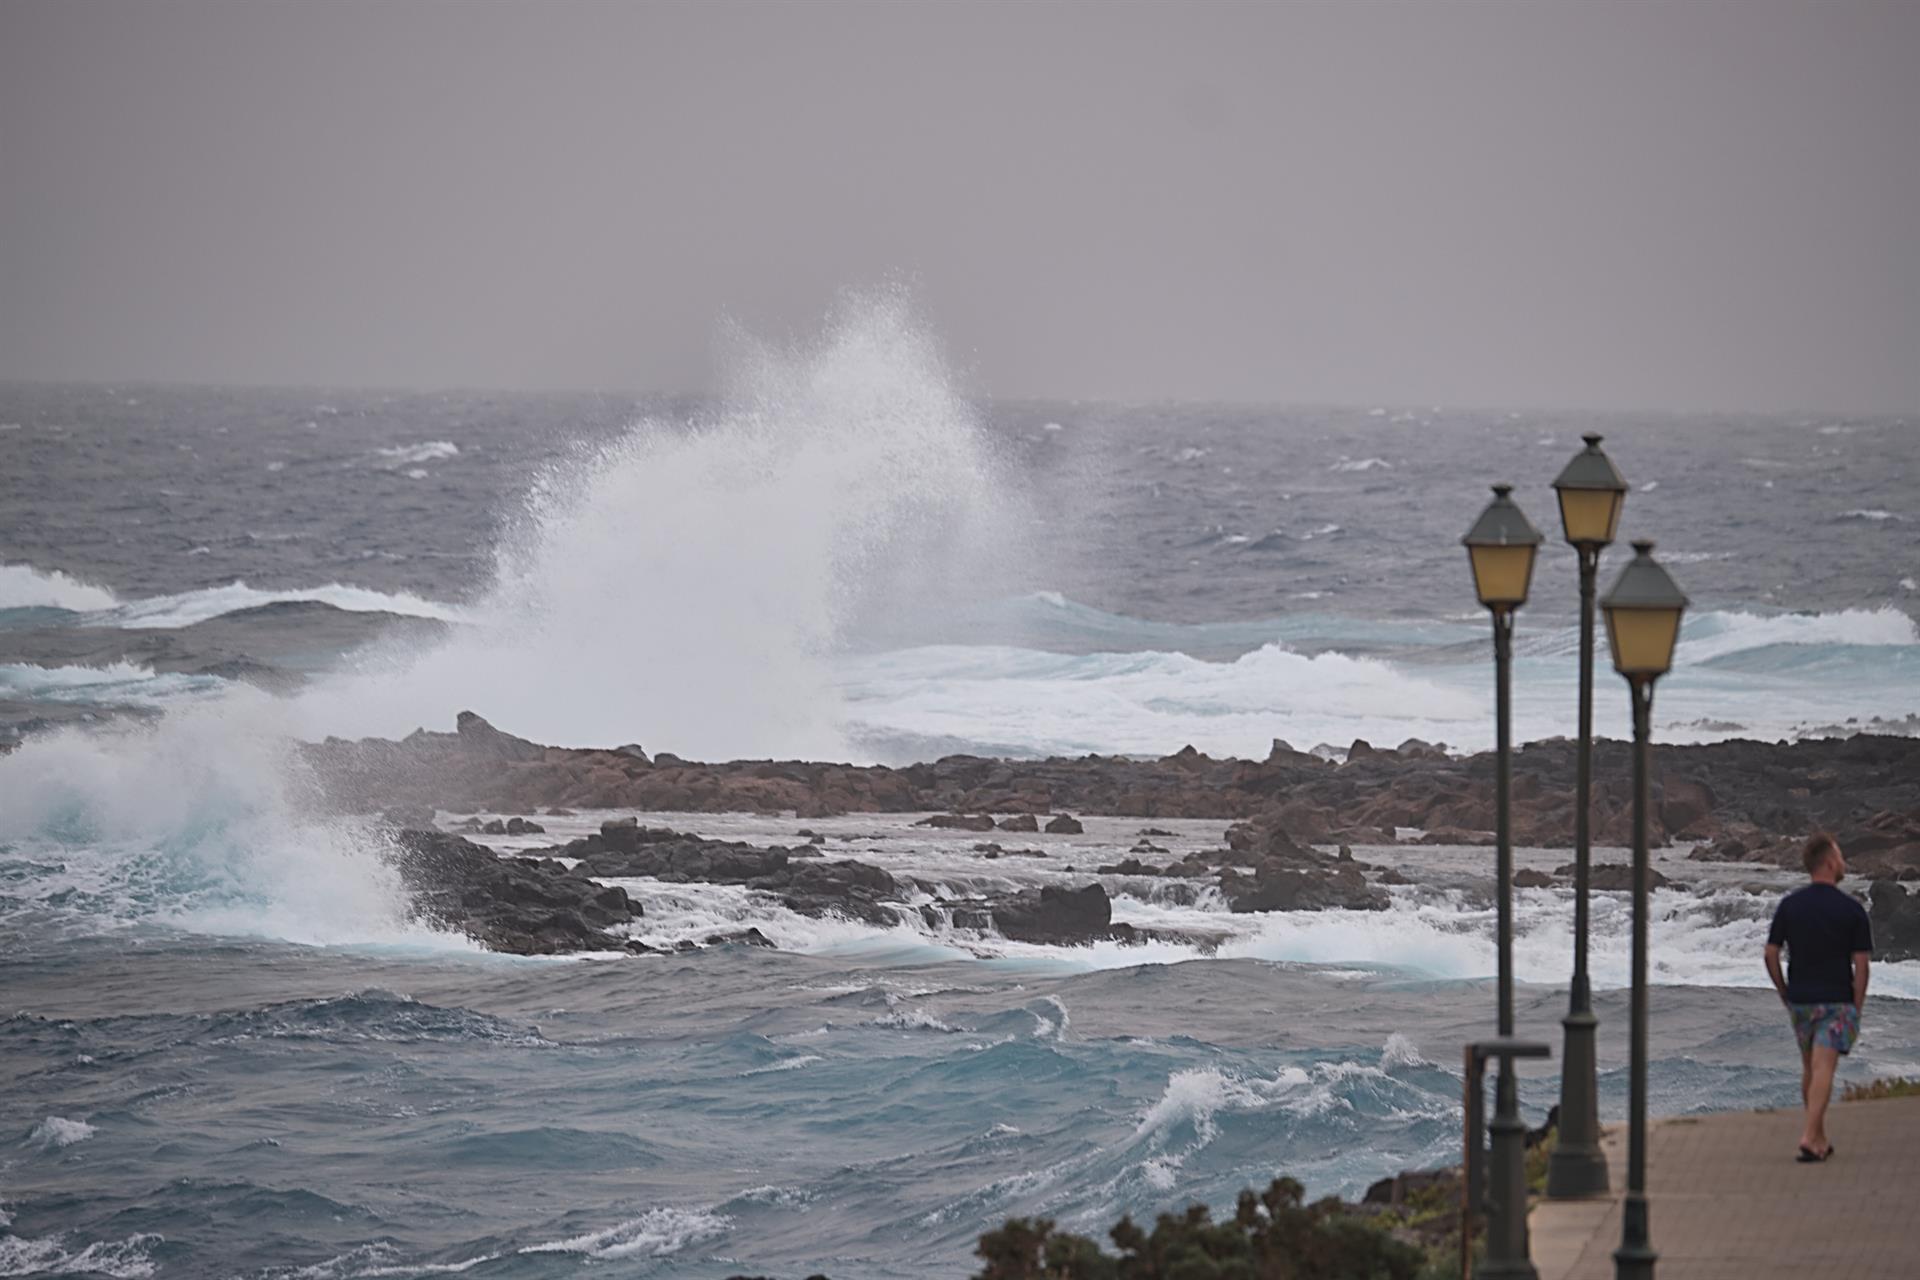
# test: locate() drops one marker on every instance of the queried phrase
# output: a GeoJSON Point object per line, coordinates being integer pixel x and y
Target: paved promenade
{"type": "Point", "coordinates": [1727, 1202]}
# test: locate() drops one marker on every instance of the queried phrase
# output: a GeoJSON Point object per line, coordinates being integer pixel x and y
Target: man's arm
{"type": "Point", "coordinates": [1780, 980]}
{"type": "Point", "coordinates": [1862, 961]}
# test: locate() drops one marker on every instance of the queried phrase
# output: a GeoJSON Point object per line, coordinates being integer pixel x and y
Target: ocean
{"type": "Point", "coordinates": [228, 1051]}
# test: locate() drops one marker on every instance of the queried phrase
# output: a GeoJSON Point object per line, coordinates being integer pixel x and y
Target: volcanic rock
{"type": "Point", "coordinates": [1614, 876]}
{"type": "Point", "coordinates": [958, 822]}
{"type": "Point", "coordinates": [523, 905]}
{"type": "Point", "coordinates": [1276, 887]}
{"type": "Point", "coordinates": [1895, 913]}
{"type": "Point", "coordinates": [1760, 794]}
{"type": "Point", "coordinates": [1056, 916]}
{"type": "Point", "coordinates": [1065, 825]}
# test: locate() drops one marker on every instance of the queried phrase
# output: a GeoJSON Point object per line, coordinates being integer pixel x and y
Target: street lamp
{"type": "Point", "coordinates": [1502, 545]}
{"type": "Point", "coordinates": [1591, 494]}
{"type": "Point", "coordinates": [1643, 623]}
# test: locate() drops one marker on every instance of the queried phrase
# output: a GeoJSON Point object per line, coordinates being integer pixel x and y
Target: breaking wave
{"type": "Point", "coordinates": [692, 584]}
{"type": "Point", "coordinates": [202, 821]}
{"type": "Point", "coordinates": [25, 587]}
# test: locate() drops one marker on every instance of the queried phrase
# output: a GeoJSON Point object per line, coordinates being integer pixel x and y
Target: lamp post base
{"type": "Point", "coordinates": [1635, 1257]}
{"type": "Point", "coordinates": [1577, 1167]}
{"type": "Point", "coordinates": [1507, 1253]}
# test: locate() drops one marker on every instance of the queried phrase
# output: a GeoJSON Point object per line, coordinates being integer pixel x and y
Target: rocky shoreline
{"type": "Point", "coordinates": [1737, 801]}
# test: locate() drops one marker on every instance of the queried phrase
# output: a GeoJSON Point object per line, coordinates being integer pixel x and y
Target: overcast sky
{"type": "Point", "coordinates": [1689, 204]}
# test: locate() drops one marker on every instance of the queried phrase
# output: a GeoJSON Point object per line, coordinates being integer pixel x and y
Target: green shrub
{"type": "Point", "coordinates": [1273, 1236]}
{"type": "Point", "coordinates": [1890, 1087]}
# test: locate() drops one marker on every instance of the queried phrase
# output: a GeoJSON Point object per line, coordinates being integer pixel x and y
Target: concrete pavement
{"type": "Point", "coordinates": [1727, 1202]}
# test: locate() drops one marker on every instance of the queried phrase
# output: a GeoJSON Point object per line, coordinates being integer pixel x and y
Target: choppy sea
{"type": "Point", "coordinates": [226, 1050]}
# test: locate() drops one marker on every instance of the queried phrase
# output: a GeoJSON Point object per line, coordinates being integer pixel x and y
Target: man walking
{"type": "Point", "coordinates": [1829, 943]}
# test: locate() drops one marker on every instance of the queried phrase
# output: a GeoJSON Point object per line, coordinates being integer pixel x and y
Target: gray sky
{"type": "Point", "coordinates": [1689, 204]}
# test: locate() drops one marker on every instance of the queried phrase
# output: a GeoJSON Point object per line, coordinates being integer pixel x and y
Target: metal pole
{"type": "Point", "coordinates": [1507, 1247]}
{"type": "Point", "coordinates": [1473, 1193]}
{"type": "Point", "coordinates": [1578, 1168]}
{"type": "Point", "coordinates": [1634, 1259]}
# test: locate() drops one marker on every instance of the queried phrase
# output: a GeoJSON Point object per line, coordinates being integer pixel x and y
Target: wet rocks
{"type": "Point", "coordinates": [1020, 822]}
{"type": "Point", "coordinates": [1276, 887]}
{"type": "Point", "coordinates": [1065, 825]}
{"type": "Point", "coordinates": [497, 827]}
{"type": "Point", "coordinates": [1762, 797]}
{"type": "Point", "coordinates": [1055, 915]}
{"type": "Point", "coordinates": [1528, 878]}
{"type": "Point", "coordinates": [1895, 912]}
{"type": "Point", "coordinates": [1613, 876]}
{"type": "Point", "coordinates": [801, 878]}
{"type": "Point", "coordinates": [522, 905]}
{"type": "Point", "coordinates": [1886, 845]}
{"type": "Point", "coordinates": [958, 822]}
{"type": "Point", "coordinates": [1132, 867]}
{"type": "Point", "coordinates": [735, 938]}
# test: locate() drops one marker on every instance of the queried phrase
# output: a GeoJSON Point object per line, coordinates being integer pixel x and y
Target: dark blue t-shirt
{"type": "Point", "coordinates": [1821, 928]}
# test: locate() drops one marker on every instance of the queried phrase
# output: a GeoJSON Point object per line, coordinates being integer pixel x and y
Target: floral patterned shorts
{"type": "Point", "coordinates": [1836, 1026]}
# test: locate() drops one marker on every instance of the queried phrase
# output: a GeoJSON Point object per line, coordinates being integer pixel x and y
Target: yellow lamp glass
{"type": "Point", "coordinates": [1501, 574]}
{"type": "Point", "coordinates": [1642, 640]}
{"type": "Point", "coordinates": [1590, 515]}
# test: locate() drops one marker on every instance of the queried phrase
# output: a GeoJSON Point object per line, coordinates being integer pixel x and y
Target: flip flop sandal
{"type": "Point", "coordinates": [1807, 1156]}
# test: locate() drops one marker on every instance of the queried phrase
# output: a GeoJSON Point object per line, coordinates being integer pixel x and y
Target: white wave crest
{"type": "Point", "coordinates": [56, 1132]}
{"type": "Point", "coordinates": [412, 455]}
{"type": "Point", "coordinates": [1361, 464]}
{"type": "Point", "coordinates": [129, 1259]}
{"type": "Point", "coordinates": [117, 682]}
{"type": "Point", "coordinates": [1399, 1053]}
{"type": "Point", "coordinates": [1195, 1095]}
{"type": "Point", "coordinates": [784, 1064]}
{"type": "Point", "coordinates": [1028, 702]}
{"type": "Point", "coordinates": [189, 607]}
{"type": "Point", "coordinates": [911, 1020]}
{"type": "Point", "coordinates": [379, 1260]}
{"type": "Point", "coordinates": [25, 587]}
{"type": "Point", "coordinates": [657, 1233]}
{"type": "Point", "coordinates": [1717, 634]}
{"type": "Point", "coordinates": [208, 821]}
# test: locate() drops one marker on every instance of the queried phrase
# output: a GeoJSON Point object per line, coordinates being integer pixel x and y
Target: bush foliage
{"type": "Point", "coordinates": [1273, 1236]}
{"type": "Point", "coordinates": [1886, 1087]}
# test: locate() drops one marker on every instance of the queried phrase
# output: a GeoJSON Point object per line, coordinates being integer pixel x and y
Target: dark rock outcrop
{"type": "Point", "coordinates": [1060, 917]}
{"type": "Point", "coordinates": [958, 822]}
{"type": "Point", "coordinates": [1895, 912]}
{"type": "Point", "coordinates": [1065, 825]}
{"type": "Point", "coordinates": [1276, 887]}
{"type": "Point", "coordinates": [1758, 795]}
{"type": "Point", "coordinates": [804, 880]}
{"type": "Point", "coordinates": [1616, 876]}
{"type": "Point", "coordinates": [526, 906]}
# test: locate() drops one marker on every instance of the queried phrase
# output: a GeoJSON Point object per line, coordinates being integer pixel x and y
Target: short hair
{"type": "Point", "coordinates": [1819, 845]}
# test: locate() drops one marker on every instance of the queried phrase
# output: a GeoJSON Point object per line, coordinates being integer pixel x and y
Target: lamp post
{"type": "Point", "coordinates": [1643, 623]}
{"type": "Point", "coordinates": [1591, 494]}
{"type": "Point", "coordinates": [1502, 545]}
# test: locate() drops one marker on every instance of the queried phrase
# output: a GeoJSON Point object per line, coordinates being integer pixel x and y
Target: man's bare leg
{"type": "Point", "coordinates": [1806, 1077]}
{"type": "Point", "coordinates": [1822, 1063]}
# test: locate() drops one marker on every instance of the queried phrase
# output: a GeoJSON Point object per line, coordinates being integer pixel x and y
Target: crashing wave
{"type": "Point", "coordinates": [24, 587]}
